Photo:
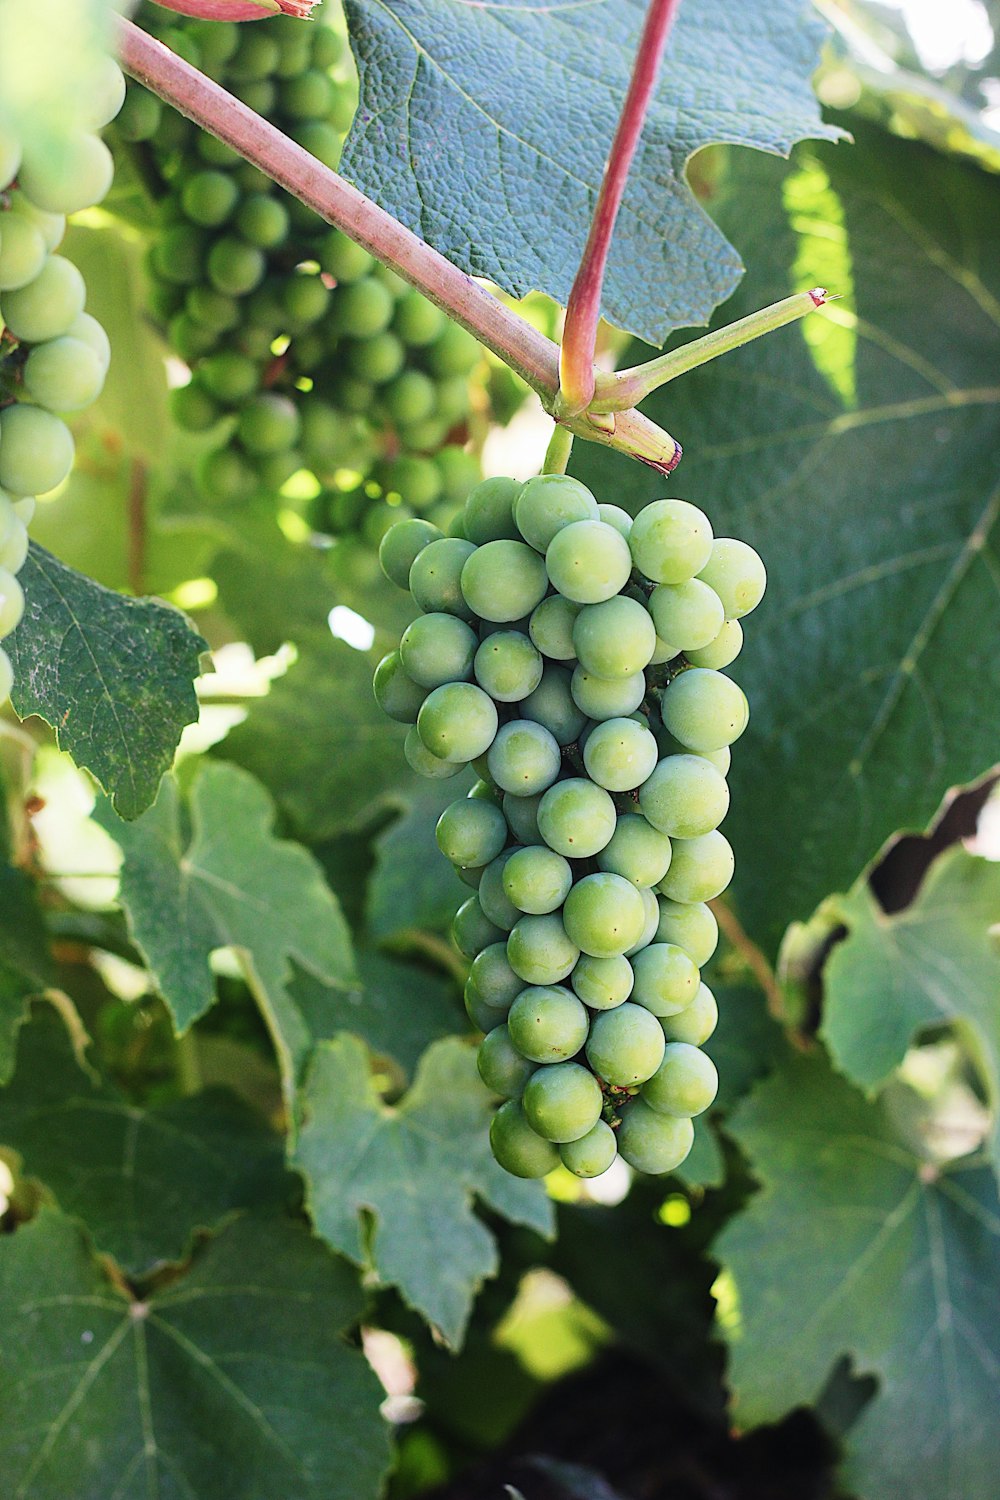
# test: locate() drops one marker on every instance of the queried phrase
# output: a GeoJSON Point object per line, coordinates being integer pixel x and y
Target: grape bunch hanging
{"type": "Point", "coordinates": [53, 355]}
{"type": "Point", "coordinates": [574, 657]}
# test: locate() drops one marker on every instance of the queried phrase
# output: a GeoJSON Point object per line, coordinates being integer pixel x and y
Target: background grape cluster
{"type": "Point", "coordinates": [53, 355]}
{"type": "Point", "coordinates": [573, 655]}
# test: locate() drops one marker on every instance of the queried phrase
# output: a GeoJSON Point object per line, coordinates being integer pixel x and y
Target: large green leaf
{"type": "Point", "coordinates": [412, 884]}
{"type": "Point", "coordinates": [26, 966]}
{"type": "Point", "coordinates": [229, 883]}
{"type": "Point", "coordinates": [486, 130]}
{"type": "Point", "coordinates": [934, 963]}
{"type": "Point", "coordinates": [234, 1380]}
{"type": "Point", "coordinates": [142, 1180]}
{"type": "Point", "coordinates": [857, 452]}
{"type": "Point", "coordinates": [415, 1169]}
{"type": "Point", "coordinates": [857, 1246]}
{"type": "Point", "coordinates": [113, 676]}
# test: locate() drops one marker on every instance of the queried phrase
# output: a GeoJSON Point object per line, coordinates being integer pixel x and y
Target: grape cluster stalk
{"type": "Point", "coordinates": [54, 356]}
{"type": "Point", "coordinates": [304, 352]}
{"type": "Point", "coordinates": [574, 657]}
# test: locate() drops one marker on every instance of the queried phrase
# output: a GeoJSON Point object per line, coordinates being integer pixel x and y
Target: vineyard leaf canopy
{"type": "Point", "coordinates": [485, 129]}
{"type": "Point", "coordinates": [114, 677]}
{"type": "Point", "coordinates": [234, 1380]}
{"type": "Point", "coordinates": [415, 1169]}
{"type": "Point", "coordinates": [856, 1245]}
{"type": "Point", "coordinates": [26, 966]}
{"type": "Point", "coordinates": [857, 453]}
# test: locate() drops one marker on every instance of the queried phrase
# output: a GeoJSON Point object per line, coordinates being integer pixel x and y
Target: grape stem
{"type": "Point", "coordinates": [583, 310]}
{"type": "Point", "coordinates": [558, 452]}
{"type": "Point", "coordinates": [527, 351]}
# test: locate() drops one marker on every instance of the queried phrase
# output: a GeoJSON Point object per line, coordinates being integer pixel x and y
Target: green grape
{"type": "Point", "coordinates": [208, 198]}
{"type": "Point", "coordinates": [651, 1142]}
{"type": "Point", "coordinates": [414, 478]}
{"type": "Point", "coordinates": [36, 450]}
{"type": "Point", "coordinates": [485, 791]}
{"type": "Point", "coordinates": [722, 650]}
{"type": "Point", "coordinates": [503, 580]}
{"type": "Point", "coordinates": [619, 754]}
{"type": "Point", "coordinates": [45, 308]}
{"type": "Point", "coordinates": [666, 979]}
{"type": "Point", "coordinates": [140, 116]}
{"type": "Point", "coordinates": [435, 576]}
{"type": "Point", "coordinates": [190, 339]}
{"type": "Point", "coordinates": [685, 1083]}
{"type": "Point", "coordinates": [613, 515]}
{"type": "Point", "coordinates": [700, 870]}
{"type": "Point", "coordinates": [225, 475]}
{"type": "Point", "coordinates": [603, 915]}
{"type": "Point", "coordinates": [417, 321]}
{"type": "Point", "coordinates": [421, 760]}
{"type": "Point", "coordinates": [588, 562]}
{"type": "Point", "coordinates": [501, 1067]}
{"type": "Point", "coordinates": [178, 254]}
{"type": "Point", "coordinates": [549, 502]}
{"type": "Point", "coordinates": [489, 511]}
{"type": "Point", "coordinates": [493, 977]}
{"type": "Point", "coordinates": [537, 880]}
{"type": "Point", "coordinates": [76, 176]}
{"type": "Point", "coordinates": [551, 705]}
{"type": "Point", "coordinates": [540, 950]}
{"type": "Point", "coordinates": [614, 639]}
{"type": "Point", "coordinates": [625, 1045]}
{"type": "Point", "coordinates": [691, 926]}
{"type": "Point", "coordinates": [22, 252]}
{"type": "Point", "coordinates": [522, 816]}
{"type": "Point", "coordinates": [649, 900]}
{"type": "Point", "coordinates": [704, 710]}
{"type": "Point", "coordinates": [457, 721]}
{"type": "Point", "coordinates": [663, 651]}
{"type": "Point", "coordinates": [268, 423]}
{"type": "Point", "coordinates": [688, 614]}
{"type": "Point", "coordinates": [600, 699]}
{"type": "Point", "coordinates": [671, 541]}
{"type": "Point", "coordinates": [736, 574]}
{"type": "Point", "coordinates": [562, 1102]}
{"type": "Point", "coordinates": [593, 1153]}
{"type": "Point", "coordinates": [576, 818]}
{"type": "Point", "coordinates": [305, 298]}
{"type": "Point", "coordinates": [459, 472]}
{"type": "Point", "coordinates": [684, 796]}
{"type": "Point", "coordinates": [229, 376]}
{"type": "Point", "coordinates": [524, 758]}
{"type": "Point", "coordinates": [262, 220]}
{"type": "Point", "coordinates": [11, 602]}
{"type": "Point", "coordinates": [64, 375]}
{"type": "Point", "coordinates": [471, 832]}
{"type": "Point", "coordinates": [51, 227]}
{"type": "Point", "coordinates": [342, 259]}
{"type": "Point", "coordinates": [400, 547]}
{"type": "Point", "coordinates": [105, 94]}
{"type": "Point", "coordinates": [10, 156]}
{"type": "Point", "coordinates": [363, 309]}
{"type": "Point", "coordinates": [516, 1146]}
{"type": "Point", "coordinates": [493, 898]}
{"type": "Point", "coordinates": [234, 267]}
{"type": "Point", "coordinates": [6, 670]}
{"type": "Point", "coordinates": [439, 648]}
{"type": "Point", "coordinates": [602, 983]}
{"type": "Point", "coordinates": [472, 929]}
{"type": "Point", "coordinates": [549, 1025]}
{"type": "Point", "coordinates": [637, 852]}
{"type": "Point", "coordinates": [308, 96]}
{"type": "Point", "coordinates": [454, 353]}
{"type": "Point", "coordinates": [192, 408]}
{"type": "Point", "coordinates": [508, 666]}
{"type": "Point", "coordinates": [14, 548]}
{"type": "Point", "coordinates": [696, 1021]}
{"type": "Point", "coordinates": [551, 627]}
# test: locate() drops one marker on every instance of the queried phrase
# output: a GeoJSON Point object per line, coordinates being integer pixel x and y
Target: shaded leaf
{"type": "Point", "coordinates": [412, 884]}
{"type": "Point", "coordinates": [26, 966]}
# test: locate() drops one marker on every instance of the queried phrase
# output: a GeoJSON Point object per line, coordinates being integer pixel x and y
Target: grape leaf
{"type": "Point", "coordinates": [415, 1169]}
{"type": "Point", "coordinates": [412, 884]}
{"type": "Point", "coordinates": [857, 1246]}
{"type": "Point", "coordinates": [234, 1380]}
{"type": "Point", "coordinates": [857, 453]}
{"type": "Point", "coordinates": [113, 676]}
{"type": "Point", "coordinates": [486, 129]}
{"type": "Point", "coordinates": [933, 963]}
{"type": "Point", "coordinates": [26, 966]}
{"type": "Point", "coordinates": [229, 882]}
{"type": "Point", "coordinates": [142, 1180]}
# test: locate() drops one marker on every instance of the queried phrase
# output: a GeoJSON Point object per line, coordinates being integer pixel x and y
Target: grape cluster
{"type": "Point", "coordinates": [573, 655]}
{"type": "Point", "coordinates": [53, 355]}
{"type": "Point", "coordinates": [321, 359]}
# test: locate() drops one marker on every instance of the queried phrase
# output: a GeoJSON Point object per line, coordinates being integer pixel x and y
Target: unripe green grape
{"type": "Point", "coordinates": [395, 693]}
{"type": "Point", "coordinates": [547, 1024]}
{"type": "Point", "coordinates": [671, 540]}
{"type": "Point", "coordinates": [379, 518]}
{"type": "Point", "coordinates": [11, 602]}
{"type": "Point", "coordinates": [696, 1021]}
{"type": "Point", "coordinates": [225, 475]}
{"type": "Point", "coordinates": [602, 983]}
{"type": "Point", "coordinates": [472, 930]}
{"type": "Point", "coordinates": [208, 198]}
{"type": "Point", "coordinates": [189, 339]}
{"type": "Point", "coordinates": [688, 614]}
{"type": "Point", "coordinates": [685, 1083]}
{"type": "Point", "coordinates": [666, 979]}
{"type": "Point", "coordinates": [354, 396]}
{"type": "Point", "coordinates": [234, 267]}
{"type": "Point", "coordinates": [516, 1146]}
{"type": "Point", "coordinates": [720, 651]}
{"type": "Point", "coordinates": [508, 667]}
{"type": "Point", "coordinates": [493, 899]}
{"type": "Point", "coordinates": [363, 309]}
{"type": "Point", "coordinates": [36, 450]}
{"type": "Point", "coordinates": [493, 977]}
{"type": "Point", "coordinates": [24, 509]}
{"type": "Point", "coordinates": [485, 791]}
{"type": "Point", "coordinates": [456, 352]}
{"type": "Point", "coordinates": [439, 648]}
{"type": "Point", "coordinates": [417, 321]}
{"type": "Point", "coordinates": [305, 299]}
{"type": "Point", "coordinates": [614, 639]}
{"type": "Point", "coordinates": [435, 578]}
{"type": "Point", "coordinates": [140, 116]}
{"type": "Point", "coordinates": [649, 901]}
{"type": "Point", "coordinates": [603, 915]}
{"type": "Point", "coordinates": [503, 580]}
{"type": "Point", "coordinates": [391, 279]}
{"type": "Point", "coordinates": [308, 96]}
{"type": "Point", "coordinates": [691, 926]}
{"type": "Point", "coordinates": [651, 1142]}
{"type": "Point", "coordinates": [10, 155]}
{"type": "Point", "coordinates": [522, 816]}
{"type": "Point", "coordinates": [625, 1045]}
{"type": "Point", "coordinates": [551, 705]}
{"type": "Point", "coordinates": [537, 880]}
{"type": "Point", "coordinates": [593, 1153]}
{"type": "Point", "coordinates": [268, 423]}
{"type": "Point", "coordinates": [704, 710]}
{"type": "Point", "coordinates": [576, 818]}
{"type": "Point", "coordinates": [588, 562]}
{"type": "Point", "coordinates": [619, 754]}
{"type": "Point", "coordinates": [64, 375]}
{"type": "Point", "coordinates": [551, 627]}
{"type": "Point", "coordinates": [549, 502]}
{"type": "Point", "coordinates": [6, 670]}
{"type": "Point", "coordinates": [700, 870]}
{"type": "Point", "coordinates": [77, 176]}
{"type": "Point", "coordinates": [600, 698]}
{"type": "Point", "coordinates": [457, 721]}
{"type": "Point", "coordinates": [484, 1017]}
{"type": "Point", "coordinates": [400, 547]}
{"type": "Point", "coordinates": [684, 796]}
{"type": "Point", "coordinates": [637, 852]}
{"type": "Point", "coordinates": [471, 832]}
{"type": "Point", "coordinates": [45, 308]}
{"type": "Point", "coordinates": [22, 252]}
{"type": "Point", "coordinates": [414, 478]}
{"type": "Point", "coordinates": [737, 575]}
{"type": "Point", "coordinates": [14, 547]}
{"type": "Point", "coordinates": [343, 259]}
{"type": "Point", "coordinates": [663, 651]}
{"type": "Point", "coordinates": [262, 220]}
{"type": "Point", "coordinates": [563, 1102]}
{"type": "Point", "coordinates": [229, 376]}
{"type": "Point", "coordinates": [501, 1067]}
{"type": "Point", "coordinates": [424, 762]}
{"type": "Point", "coordinates": [178, 255]}
{"type": "Point", "coordinates": [105, 94]}
{"type": "Point", "coordinates": [276, 469]}
{"type": "Point", "coordinates": [459, 470]}
{"type": "Point", "coordinates": [489, 511]}
{"type": "Point", "coordinates": [540, 949]}
{"type": "Point", "coordinates": [51, 227]}
{"type": "Point", "coordinates": [211, 309]}
{"type": "Point", "coordinates": [613, 515]}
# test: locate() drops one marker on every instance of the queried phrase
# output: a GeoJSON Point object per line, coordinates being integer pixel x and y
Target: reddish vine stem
{"type": "Point", "coordinates": [583, 310]}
